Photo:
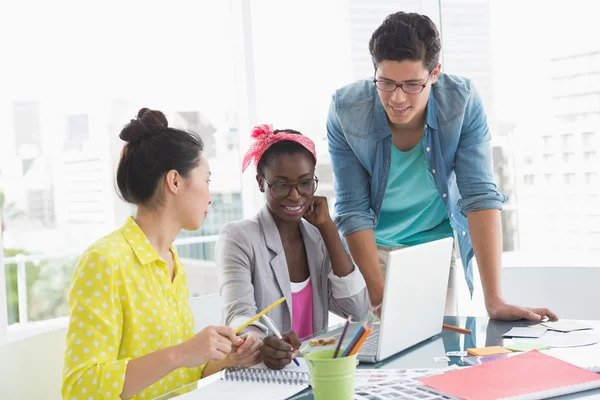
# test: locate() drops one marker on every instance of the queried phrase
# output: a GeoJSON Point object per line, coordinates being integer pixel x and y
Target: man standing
{"type": "Point", "coordinates": [412, 158]}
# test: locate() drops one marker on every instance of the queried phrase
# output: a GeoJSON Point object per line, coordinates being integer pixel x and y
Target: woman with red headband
{"type": "Point", "coordinates": [290, 248]}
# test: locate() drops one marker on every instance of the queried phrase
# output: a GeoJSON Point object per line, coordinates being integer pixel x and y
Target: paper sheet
{"type": "Point", "coordinates": [526, 332]}
{"type": "Point", "coordinates": [565, 326]}
{"type": "Point", "coordinates": [526, 346]}
{"type": "Point", "coordinates": [566, 339]}
{"type": "Point", "coordinates": [227, 390]}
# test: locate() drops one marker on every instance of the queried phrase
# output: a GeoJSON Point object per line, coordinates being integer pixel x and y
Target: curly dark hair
{"type": "Point", "coordinates": [406, 36]}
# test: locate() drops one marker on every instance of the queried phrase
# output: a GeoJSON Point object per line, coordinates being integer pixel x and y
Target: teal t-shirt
{"type": "Point", "coordinates": [412, 211]}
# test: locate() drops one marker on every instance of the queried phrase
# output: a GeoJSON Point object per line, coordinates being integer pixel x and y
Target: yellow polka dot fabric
{"type": "Point", "coordinates": [123, 305]}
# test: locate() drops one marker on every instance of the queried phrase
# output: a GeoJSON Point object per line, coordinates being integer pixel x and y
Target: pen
{"type": "Point", "coordinates": [457, 329]}
{"type": "Point", "coordinates": [271, 325]}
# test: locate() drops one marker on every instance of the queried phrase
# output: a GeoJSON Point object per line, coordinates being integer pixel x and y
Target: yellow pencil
{"type": "Point", "coordinates": [260, 314]}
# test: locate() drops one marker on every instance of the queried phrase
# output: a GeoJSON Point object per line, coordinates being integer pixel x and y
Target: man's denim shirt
{"type": "Point", "coordinates": [457, 147]}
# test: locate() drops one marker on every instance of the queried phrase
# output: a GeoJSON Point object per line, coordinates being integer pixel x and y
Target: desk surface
{"type": "Point", "coordinates": [486, 332]}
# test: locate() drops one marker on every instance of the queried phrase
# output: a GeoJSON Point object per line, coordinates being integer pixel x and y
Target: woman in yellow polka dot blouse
{"type": "Point", "coordinates": [131, 331]}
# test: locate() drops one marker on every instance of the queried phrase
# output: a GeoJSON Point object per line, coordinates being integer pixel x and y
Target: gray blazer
{"type": "Point", "coordinates": [253, 273]}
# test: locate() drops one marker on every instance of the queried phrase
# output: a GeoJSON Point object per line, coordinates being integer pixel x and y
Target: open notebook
{"type": "Point", "coordinates": [257, 382]}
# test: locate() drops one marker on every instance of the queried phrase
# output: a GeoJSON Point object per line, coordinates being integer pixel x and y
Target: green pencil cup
{"type": "Point", "coordinates": [331, 378]}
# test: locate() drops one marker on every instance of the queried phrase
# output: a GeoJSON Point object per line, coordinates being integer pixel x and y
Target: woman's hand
{"type": "Point", "coordinates": [318, 212]}
{"type": "Point", "coordinates": [213, 343]}
{"type": "Point", "coordinates": [248, 353]}
{"type": "Point", "coordinates": [277, 353]}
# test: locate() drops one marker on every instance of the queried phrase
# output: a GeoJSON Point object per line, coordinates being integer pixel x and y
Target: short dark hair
{"type": "Point", "coordinates": [406, 36]}
{"type": "Point", "coordinates": [152, 150]}
{"type": "Point", "coordinates": [281, 147]}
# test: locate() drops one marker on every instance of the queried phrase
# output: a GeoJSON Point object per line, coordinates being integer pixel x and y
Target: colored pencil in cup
{"type": "Point", "coordinates": [362, 340]}
{"type": "Point", "coordinates": [354, 340]}
{"type": "Point", "coordinates": [337, 348]}
{"type": "Point", "coordinates": [357, 341]}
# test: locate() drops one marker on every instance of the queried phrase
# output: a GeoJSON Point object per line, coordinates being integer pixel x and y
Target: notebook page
{"type": "Point", "coordinates": [290, 367]}
{"type": "Point", "coordinates": [227, 390]}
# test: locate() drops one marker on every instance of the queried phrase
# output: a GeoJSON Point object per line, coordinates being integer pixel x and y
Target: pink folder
{"type": "Point", "coordinates": [531, 375]}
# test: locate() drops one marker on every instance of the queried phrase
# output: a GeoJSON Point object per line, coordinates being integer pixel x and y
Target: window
{"type": "Point", "coordinates": [569, 179]}
{"type": "Point", "coordinates": [63, 117]}
{"type": "Point", "coordinates": [27, 131]}
{"type": "Point", "coordinates": [590, 178]}
{"type": "Point", "coordinates": [567, 140]}
{"type": "Point", "coordinates": [529, 159]}
{"type": "Point", "coordinates": [588, 139]}
{"type": "Point", "coordinates": [77, 128]}
{"type": "Point", "coordinates": [549, 158]}
{"type": "Point", "coordinates": [529, 180]}
{"type": "Point", "coordinates": [589, 156]}
{"type": "Point", "coordinates": [63, 120]}
{"type": "Point", "coordinates": [568, 157]}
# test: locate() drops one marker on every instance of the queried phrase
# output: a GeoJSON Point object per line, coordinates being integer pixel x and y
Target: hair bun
{"type": "Point", "coordinates": [147, 123]}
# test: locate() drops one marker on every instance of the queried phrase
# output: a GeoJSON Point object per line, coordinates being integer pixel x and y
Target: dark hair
{"type": "Point", "coordinates": [282, 147]}
{"type": "Point", "coordinates": [406, 36]}
{"type": "Point", "coordinates": [152, 150]}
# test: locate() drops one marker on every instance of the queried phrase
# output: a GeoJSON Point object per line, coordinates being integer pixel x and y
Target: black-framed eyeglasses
{"type": "Point", "coordinates": [409, 88]}
{"type": "Point", "coordinates": [281, 190]}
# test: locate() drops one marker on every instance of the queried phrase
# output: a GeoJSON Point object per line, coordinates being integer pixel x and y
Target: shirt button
{"type": "Point", "coordinates": [433, 171]}
{"type": "Point", "coordinates": [444, 195]}
{"type": "Point", "coordinates": [463, 233]}
{"type": "Point", "coordinates": [451, 215]}
{"type": "Point", "coordinates": [428, 149]}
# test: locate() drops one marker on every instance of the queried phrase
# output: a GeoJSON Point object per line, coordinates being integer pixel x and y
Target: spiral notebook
{"type": "Point", "coordinates": [264, 375]}
{"type": "Point", "coordinates": [256, 382]}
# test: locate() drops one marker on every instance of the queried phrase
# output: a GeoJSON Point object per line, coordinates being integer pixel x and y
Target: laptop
{"type": "Point", "coordinates": [414, 300]}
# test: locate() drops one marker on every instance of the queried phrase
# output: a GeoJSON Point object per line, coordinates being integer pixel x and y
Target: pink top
{"type": "Point", "coordinates": [302, 305]}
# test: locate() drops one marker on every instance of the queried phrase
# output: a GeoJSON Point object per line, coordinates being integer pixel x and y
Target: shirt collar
{"type": "Point", "coordinates": [430, 114]}
{"type": "Point", "coordinates": [140, 245]}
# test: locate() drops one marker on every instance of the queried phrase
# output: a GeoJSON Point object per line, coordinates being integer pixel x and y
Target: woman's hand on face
{"type": "Point", "coordinates": [318, 212]}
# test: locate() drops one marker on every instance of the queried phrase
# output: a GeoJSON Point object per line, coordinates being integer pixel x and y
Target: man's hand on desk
{"type": "Point", "coordinates": [507, 312]}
